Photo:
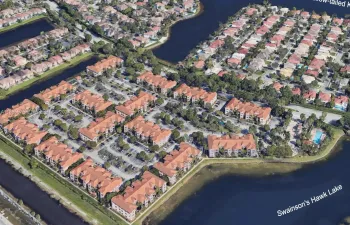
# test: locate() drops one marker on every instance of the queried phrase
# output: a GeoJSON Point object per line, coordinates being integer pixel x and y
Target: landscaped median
{"type": "Point", "coordinates": [14, 26]}
{"type": "Point", "coordinates": [73, 62]}
{"type": "Point", "coordinates": [90, 210]}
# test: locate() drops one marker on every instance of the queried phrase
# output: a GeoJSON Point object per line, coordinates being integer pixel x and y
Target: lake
{"type": "Point", "coordinates": [255, 200]}
{"type": "Point", "coordinates": [187, 34]}
{"type": "Point", "coordinates": [24, 32]}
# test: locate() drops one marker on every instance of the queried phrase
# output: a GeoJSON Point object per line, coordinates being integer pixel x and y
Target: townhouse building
{"type": "Point", "coordinates": [95, 179]}
{"type": "Point", "coordinates": [22, 130]}
{"type": "Point", "coordinates": [53, 93]}
{"type": "Point", "coordinates": [57, 154]}
{"type": "Point", "coordinates": [248, 111]}
{"type": "Point", "coordinates": [139, 103]}
{"type": "Point", "coordinates": [156, 82]}
{"type": "Point", "coordinates": [178, 160]}
{"type": "Point", "coordinates": [232, 145]}
{"type": "Point", "coordinates": [20, 109]}
{"type": "Point", "coordinates": [98, 68]}
{"type": "Point", "coordinates": [195, 94]}
{"type": "Point", "coordinates": [139, 192]}
{"type": "Point", "coordinates": [101, 126]}
{"type": "Point", "coordinates": [148, 131]}
{"type": "Point", "coordinates": [92, 102]}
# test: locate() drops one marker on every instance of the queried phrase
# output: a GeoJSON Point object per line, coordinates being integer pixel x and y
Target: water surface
{"type": "Point", "coordinates": [24, 32]}
{"type": "Point", "coordinates": [240, 200]}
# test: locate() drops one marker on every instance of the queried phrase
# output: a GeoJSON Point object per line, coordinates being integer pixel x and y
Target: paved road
{"type": "Point", "coordinates": [330, 118]}
{"type": "Point", "coordinates": [4, 221]}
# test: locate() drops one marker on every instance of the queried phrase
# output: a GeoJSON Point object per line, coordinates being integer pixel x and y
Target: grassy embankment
{"type": "Point", "coordinates": [24, 22]}
{"type": "Point", "coordinates": [93, 212]}
{"type": "Point", "coordinates": [210, 169]}
{"type": "Point", "coordinates": [75, 61]}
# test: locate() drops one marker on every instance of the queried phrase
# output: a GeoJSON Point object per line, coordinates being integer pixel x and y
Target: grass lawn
{"type": "Point", "coordinates": [14, 26]}
{"type": "Point", "coordinates": [93, 211]}
{"type": "Point", "coordinates": [49, 73]}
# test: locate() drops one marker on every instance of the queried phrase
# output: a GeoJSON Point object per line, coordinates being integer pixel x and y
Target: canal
{"type": "Point", "coordinates": [43, 84]}
{"type": "Point", "coordinates": [187, 34]}
{"type": "Point", "coordinates": [22, 188]}
{"type": "Point", "coordinates": [245, 200]}
{"type": "Point", "coordinates": [24, 32]}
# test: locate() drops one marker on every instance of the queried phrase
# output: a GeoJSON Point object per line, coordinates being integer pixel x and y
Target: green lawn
{"type": "Point", "coordinates": [14, 26]}
{"type": "Point", "coordinates": [94, 212]}
{"type": "Point", "coordinates": [75, 61]}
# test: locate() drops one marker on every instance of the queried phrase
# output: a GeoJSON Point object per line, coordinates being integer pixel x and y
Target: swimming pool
{"type": "Point", "coordinates": [339, 107]}
{"type": "Point", "coordinates": [318, 137]}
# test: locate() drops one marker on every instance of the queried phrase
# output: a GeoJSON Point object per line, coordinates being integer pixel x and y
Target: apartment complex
{"type": "Point", "coordinates": [95, 178]}
{"type": "Point", "coordinates": [148, 131]}
{"type": "Point", "coordinates": [101, 126]}
{"type": "Point", "coordinates": [156, 82]}
{"type": "Point", "coordinates": [232, 144]}
{"type": "Point", "coordinates": [24, 131]}
{"type": "Point", "coordinates": [57, 154]}
{"type": "Point", "coordinates": [54, 92]}
{"type": "Point", "coordinates": [136, 104]}
{"type": "Point", "coordinates": [248, 111]}
{"type": "Point", "coordinates": [195, 94]}
{"type": "Point", "coordinates": [139, 192]}
{"type": "Point", "coordinates": [178, 160]}
{"type": "Point", "coordinates": [98, 68]}
{"type": "Point", "coordinates": [17, 110]}
{"type": "Point", "coordinates": [92, 102]}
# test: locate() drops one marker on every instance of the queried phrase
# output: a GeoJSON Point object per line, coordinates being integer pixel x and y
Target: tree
{"type": "Point", "coordinates": [42, 116]}
{"type": "Point", "coordinates": [81, 149]}
{"type": "Point", "coordinates": [323, 116]}
{"type": "Point", "coordinates": [157, 69]}
{"type": "Point", "coordinates": [29, 149]}
{"type": "Point", "coordinates": [73, 132]}
{"type": "Point", "coordinates": [107, 165]}
{"type": "Point", "coordinates": [159, 101]}
{"type": "Point", "coordinates": [175, 134]}
{"type": "Point", "coordinates": [33, 163]}
{"type": "Point", "coordinates": [105, 97]}
{"type": "Point", "coordinates": [142, 156]}
{"type": "Point", "coordinates": [162, 154]}
{"type": "Point", "coordinates": [88, 37]}
{"type": "Point", "coordinates": [154, 148]}
{"type": "Point", "coordinates": [78, 118]}
{"type": "Point", "coordinates": [302, 117]}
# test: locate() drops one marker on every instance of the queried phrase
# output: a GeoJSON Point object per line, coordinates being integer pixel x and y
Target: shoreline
{"type": "Point", "coordinates": [161, 41]}
{"type": "Point", "coordinates": [46, 75]}
{"type": "Point", "coordinates": [25, 22]}
{"type": "Point", "coordinates": [282, 166]}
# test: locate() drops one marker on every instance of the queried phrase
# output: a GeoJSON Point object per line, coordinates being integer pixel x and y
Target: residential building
{"type": "Point", "coordinates": [138, 103]}
{"type": "Point", "coordinates": [95, 178]}
{"type": "Point", "coordinates": [178, 160]}
{"type": "Point", "coordinates": [248, 110]}
{"type": "Point", "coordinates": [101, 126]}
{"type": "Point", "coordinates": [92, 102]}
{"type": "Point", "coordinates": [146, 130]}
{"type": "Point", "coordinates": [139, 192]}
{"type": "Point", "coordinates": [57, 154]}
{"type": "Point", "coordinates": [54, 92]}
{"type": "Point", "coordinates": [310, 96]}
{"type": "Point", "coordinates": [110, 63]}
{"type": "Point", "coordinates": [232, 144]}
{"type": "Point", "coordinates": [195, 94]}
{"type": "Point", "coordinates": [156, 82]}
{"type": "Point", "coordinates": [324, 97]}
{"type": "Point", "coordinates": [24, 131]}
{"type": "Point", "coordinates": [20, 109]}
{"type": "Point", "coordinates": [341, 102]}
